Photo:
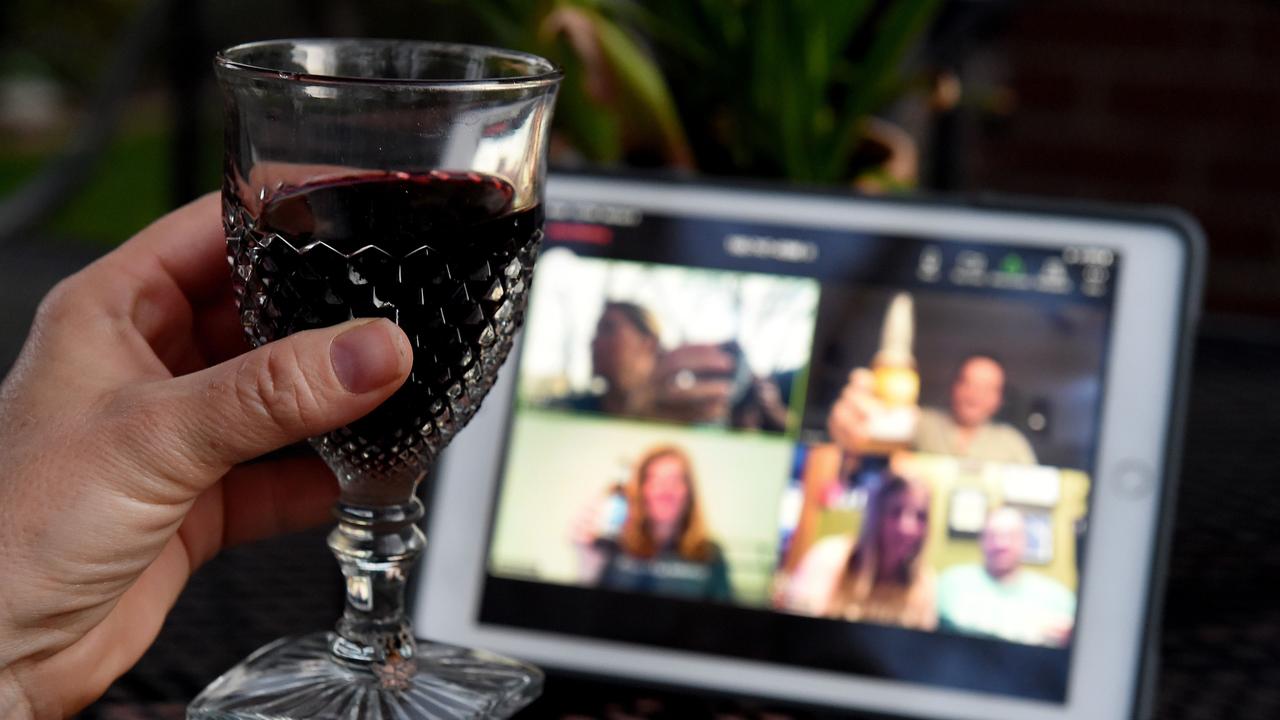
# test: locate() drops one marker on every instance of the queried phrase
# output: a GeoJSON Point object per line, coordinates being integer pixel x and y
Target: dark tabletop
{"type": "Point", "coordinates": [1220, 648]}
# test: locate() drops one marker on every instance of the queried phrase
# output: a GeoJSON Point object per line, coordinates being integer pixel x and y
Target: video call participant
{"type": "Point", "coordinates": [665, 547]}
{"type": "Point", "coordinates": [624, 354]}
{"type": "Point", "coordinates": [690, 383]}
{"type": "Point", "coordinates": [1000, 598]}
{"type": "Point", "coordinates": [882, 577]}
{"type": "Point", "coordinates": [965, 429]}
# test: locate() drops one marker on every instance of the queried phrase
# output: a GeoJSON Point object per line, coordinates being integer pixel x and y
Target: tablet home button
{"type": "Point", "coordinates": [1133, 479]}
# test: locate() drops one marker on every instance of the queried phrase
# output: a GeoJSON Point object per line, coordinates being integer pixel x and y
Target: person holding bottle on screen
{"type": "Point", "coordinates": [967, 428]}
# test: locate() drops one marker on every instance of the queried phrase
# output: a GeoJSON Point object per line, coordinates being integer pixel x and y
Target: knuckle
{"type": "Point", "coordinates": [273, 386]}
{"type": "Point", "coordinates": [59, 305]}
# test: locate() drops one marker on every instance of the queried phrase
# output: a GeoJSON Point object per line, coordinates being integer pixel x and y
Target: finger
{"type": "Point", "coordinates": [196, 427]}
{"type": "Point", "coordinates": [585, 525]}
{"type": "Point", "coordinates": [217, 332]}
{"type": "Point", "coordinates": [700, 358]}
{"type": "Point", "coordinates": [768, 391]}
{"type": "Point", "coordinates": [258, 500]}
{"type": "Point", "coordinates": [842, 426]}
{"type": "Point", "coordinates": [855, 418]}
{"type": "Point", "coordinates": [152, 282]}
{"type": "Point", "coordinates": [850, 404]}
{"type": "Point", "coordinates": [213, 335]}
{"type": "Point", "coordinates": [284, 496]}
{"type": "Point", "coordinates": [862, 380]}
{"type": "Point", "coordinates": [188, 246]}
{"type": "Point", "coordinates": [706, 401]}
{"type": "Point", "coordinates": [864, 407]}
{"type": "Point", "coordinates": [700, 392]}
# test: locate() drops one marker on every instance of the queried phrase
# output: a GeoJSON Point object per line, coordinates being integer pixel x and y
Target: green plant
{"type": "Point", "coordinates": [614, 97]}
{"type": "Point", "coordinates": [774, 88]}
{"type": "Point", "coordinates": [785, 87]}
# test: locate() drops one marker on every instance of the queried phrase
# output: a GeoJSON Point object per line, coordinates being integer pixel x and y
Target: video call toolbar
{"type": "Point", "coordinates": [1077, 272]}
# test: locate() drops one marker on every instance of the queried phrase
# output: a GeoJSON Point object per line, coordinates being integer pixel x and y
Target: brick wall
{"type": "Point", "coordinates": [1165, 101]}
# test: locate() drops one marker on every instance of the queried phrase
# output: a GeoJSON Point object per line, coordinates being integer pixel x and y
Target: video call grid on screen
{"type": "Point", "coordinates": [781, 316]}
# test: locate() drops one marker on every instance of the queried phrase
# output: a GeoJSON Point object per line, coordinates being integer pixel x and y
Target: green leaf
{"type": "Point", "coordinates": [898, 30]}
{"type": "Point", "coordinates": [642, 82]}
{"type": "Point", "coordinates": [594, 130]}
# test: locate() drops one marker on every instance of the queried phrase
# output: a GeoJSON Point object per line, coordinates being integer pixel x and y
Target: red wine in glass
{"type": "Point", "coordinates": [444, 255]}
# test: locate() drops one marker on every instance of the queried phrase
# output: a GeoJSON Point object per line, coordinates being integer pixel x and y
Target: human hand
{"type": "Point", "coordinates": [849, 420]}
{"type": "Point", "coordinates": [766, 410]}
{"type": "Point", "coordinates": [867, 419]}
{"type": "Point", "coordinates": [693, 383]}
{"type": "Point", "coordinates": [585, 529]}
{"type": "Point", "coordinates": [585, 535]}
{"type": "Point", "coordinates": [125, 426]}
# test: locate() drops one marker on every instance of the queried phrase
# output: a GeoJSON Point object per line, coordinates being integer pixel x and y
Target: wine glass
{"type": "Point", "coordinates": [396, 179]}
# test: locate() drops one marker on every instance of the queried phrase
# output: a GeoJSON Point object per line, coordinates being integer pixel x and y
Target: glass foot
{"type": "Point", "coordinates": [297, 678]}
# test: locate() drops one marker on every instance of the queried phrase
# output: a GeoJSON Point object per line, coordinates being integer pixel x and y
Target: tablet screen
{"type": "Point", "coordinates": [859, 453]}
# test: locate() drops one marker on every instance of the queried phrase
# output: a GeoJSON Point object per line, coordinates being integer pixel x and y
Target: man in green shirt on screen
{"type": "Point", "coordinates": [999, 598]}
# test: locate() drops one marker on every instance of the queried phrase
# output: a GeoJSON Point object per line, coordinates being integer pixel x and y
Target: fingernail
{"type": "Point", "coordinates": [366, 357]}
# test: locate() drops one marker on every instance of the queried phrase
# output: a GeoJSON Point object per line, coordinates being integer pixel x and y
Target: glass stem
{"type": "Point", "coordinates": [376, 547]}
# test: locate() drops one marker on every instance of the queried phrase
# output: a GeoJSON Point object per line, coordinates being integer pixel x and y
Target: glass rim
{"type": "Point", "coordinates": [550, 72]}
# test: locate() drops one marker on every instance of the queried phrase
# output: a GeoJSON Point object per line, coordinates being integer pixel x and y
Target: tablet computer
{"type": "Point", "coordinates": [904, 456]}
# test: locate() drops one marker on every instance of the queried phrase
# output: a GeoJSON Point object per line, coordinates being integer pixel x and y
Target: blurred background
{"type": "Point", "coordinates": [109, 117]}
{"type": "Point", "coordinates": [1123, 100]}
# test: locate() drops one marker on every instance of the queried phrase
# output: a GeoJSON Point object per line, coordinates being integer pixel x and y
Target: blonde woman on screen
{"type": "Point", "coordinates": [664, 546]}
{"type": "Point", "coordinates": [879, 578]}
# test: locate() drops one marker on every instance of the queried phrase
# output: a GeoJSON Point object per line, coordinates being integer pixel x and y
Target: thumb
{"type": "Point", "coordinates": [306, 384]}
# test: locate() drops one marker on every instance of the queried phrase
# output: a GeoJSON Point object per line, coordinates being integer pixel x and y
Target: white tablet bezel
{"type": "Point", "coordinates": [1142, 375]}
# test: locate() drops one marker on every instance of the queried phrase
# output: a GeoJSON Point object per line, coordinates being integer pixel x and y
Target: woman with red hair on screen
{"type": "Point", "coordinates": [880, 578]}
{"type": "Point", "coordinates": [664, 547]}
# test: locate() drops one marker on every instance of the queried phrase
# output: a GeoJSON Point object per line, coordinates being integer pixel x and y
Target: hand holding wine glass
{"type": "Point", "coordinates": [127, 428]}
{"type": "Point", "coordinates": [400, 180]}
